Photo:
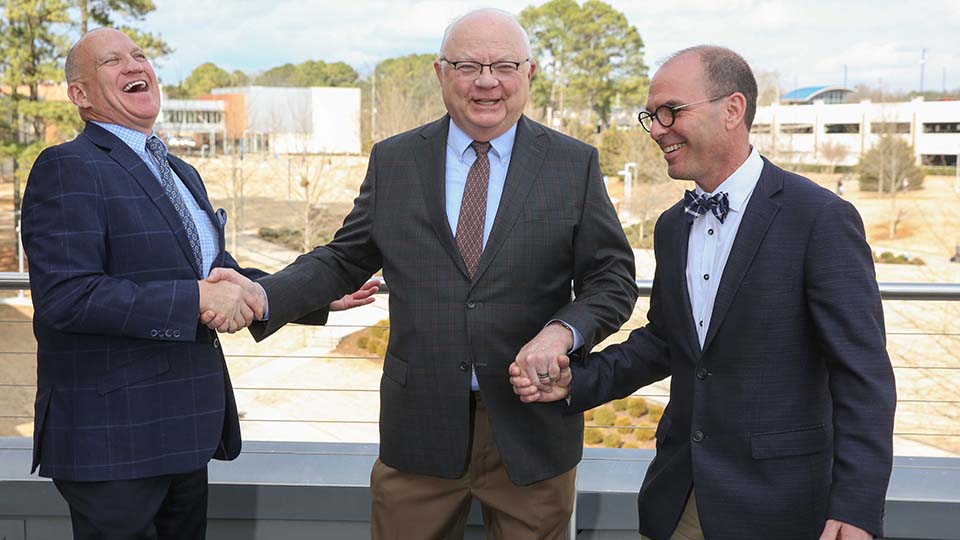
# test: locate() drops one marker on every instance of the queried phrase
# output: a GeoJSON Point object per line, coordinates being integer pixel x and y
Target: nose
{"type": "Point", "coordinates": [486, 79]}
{"type": "Point", "coordinates": [132, 65]}
{"type": "Point", "coordinates": [657, 130]}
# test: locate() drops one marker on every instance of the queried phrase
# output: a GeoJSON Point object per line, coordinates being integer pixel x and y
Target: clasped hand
{"type": "Point", "coordinates": [541, 370]}
{"type": "Point", "coordinates": [229, 302]}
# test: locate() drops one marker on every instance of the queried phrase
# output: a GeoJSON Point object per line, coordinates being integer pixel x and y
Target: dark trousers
{"type": "Point", "coordinates": [171, 507]}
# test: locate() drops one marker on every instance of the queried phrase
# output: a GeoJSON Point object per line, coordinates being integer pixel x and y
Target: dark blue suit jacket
{"type": "Point", "coordinates": [129, 385]}
{"type": "Point", "coordinates": [785, 417]}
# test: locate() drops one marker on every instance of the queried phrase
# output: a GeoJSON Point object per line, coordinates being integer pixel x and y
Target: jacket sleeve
{"type": "Point", "coordinates": [65, 228]}
{"type": "Point", "coordinates": [604, 278]}
{"type": "Point", "coordinates": [619, 370]}
{"type": "Point", "coordinates": [844, 301]}
{"type": "Point", "coordinates": [328, 272]}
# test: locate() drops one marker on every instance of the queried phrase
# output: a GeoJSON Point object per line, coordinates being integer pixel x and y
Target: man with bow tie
{"type": "Point", "coordinates": [766, 313]}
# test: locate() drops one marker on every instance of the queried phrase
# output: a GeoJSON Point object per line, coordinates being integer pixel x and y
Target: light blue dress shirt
{"type": "Point", "coordinates": [209, 241]}
{"type": "Point", "coordinates": [460, 156]}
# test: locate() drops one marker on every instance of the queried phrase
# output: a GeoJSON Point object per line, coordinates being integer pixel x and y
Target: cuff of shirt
{"type": "Point", "coordinates": [577, 336]}
{"type": "Point", "coordinates": [266, 303]}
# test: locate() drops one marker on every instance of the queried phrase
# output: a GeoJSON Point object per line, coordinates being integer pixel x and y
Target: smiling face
{"type": "Point", "coordinates": [485, 106]}
{"type": "Point", "coordinates": [115, 82]}
{"type": "Point", "coordinates": [705, 142]}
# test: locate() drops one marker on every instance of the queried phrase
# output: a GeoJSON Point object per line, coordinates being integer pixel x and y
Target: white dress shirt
{"type": "Point", "coordinates": [710, 241]}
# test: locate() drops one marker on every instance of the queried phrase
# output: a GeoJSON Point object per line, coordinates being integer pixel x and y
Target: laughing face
{"type": "Point", "coordinates": [116, 83]}
{"type": "Point", "coordinates": [485, 105]}
{"type": "Point", "coordinates": [697, 145]}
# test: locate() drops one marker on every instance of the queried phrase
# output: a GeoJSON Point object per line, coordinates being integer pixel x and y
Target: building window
{"type": "Point", "coordinates": [880, 128]}
{"type": "Point", "coordinates": [939, 160]}
{"type": "Point", "coordinates": [796, 128]}
{"type": "Point", "coordinates": [761, 128]}
{"type": "Point", "coordinates": [842, 128]}
{"type": "Point", "coordinates": [942, 127]}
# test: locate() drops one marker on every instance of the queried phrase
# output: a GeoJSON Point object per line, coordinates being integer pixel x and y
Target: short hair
{"type": "Point", "coordinates": [726, 72]}
{"type": "Point", "coordinates": [71, 67]}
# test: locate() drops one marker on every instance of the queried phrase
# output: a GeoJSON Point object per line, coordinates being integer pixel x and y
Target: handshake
{"type": "Point", "coordinates": [229, 302]}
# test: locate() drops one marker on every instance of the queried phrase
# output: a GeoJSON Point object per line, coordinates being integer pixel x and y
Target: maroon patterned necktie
{"type": "Point", "coordinates": [473, 208]}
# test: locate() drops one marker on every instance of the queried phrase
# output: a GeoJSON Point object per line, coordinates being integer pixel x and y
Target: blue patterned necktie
{"type": "Point", "coordinates": [697, 205]}
{"type": "Point", "coordinates": [159, 153]}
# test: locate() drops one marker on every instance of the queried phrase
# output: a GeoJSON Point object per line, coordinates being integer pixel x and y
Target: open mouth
{"type": "Point", "coordinates": [135, 87]}
{"type": "Point", "coordinates": [486, 101]}
{"type": "Point", "coordinates": [673, 148]}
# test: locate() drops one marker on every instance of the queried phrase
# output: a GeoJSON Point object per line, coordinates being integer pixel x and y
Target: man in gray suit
{"type": "Point", "coordinates": [485, 224]}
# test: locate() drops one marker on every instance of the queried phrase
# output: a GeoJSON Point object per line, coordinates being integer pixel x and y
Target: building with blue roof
{"type": "Point", "coordinates": [808, 94]}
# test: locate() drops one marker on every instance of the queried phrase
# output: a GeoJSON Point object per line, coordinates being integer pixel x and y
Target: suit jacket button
{"type": "Point", "coordinates": [168, 333]}
{"type": "Point", "coordinates": [698, 436]}
{"type": "Point", "coordinates": [216, 343]}
{"type": "Point", "coordinates": [154, 333]}
{"type": "Point", "coordinates": [702, 373]}
{"type": "Point", "coordinates": [464, 366]}
{"type": "Point", "coordinates": [176, 333]}
{"type": "Point", "coordinates": [471, 305]}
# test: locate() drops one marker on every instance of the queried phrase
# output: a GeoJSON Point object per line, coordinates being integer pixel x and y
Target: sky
{"type": "Point", "coordinates": [805, 42]}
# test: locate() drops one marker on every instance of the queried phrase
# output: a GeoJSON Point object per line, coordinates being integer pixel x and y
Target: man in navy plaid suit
{"type": "Point", "coordinates": [133, 394]}
{"type": "Point", "coordinates": [766, 314]}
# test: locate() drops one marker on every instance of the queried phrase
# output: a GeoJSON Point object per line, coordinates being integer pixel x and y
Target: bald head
{"type": "Point", "coordinates": [110, 80]}
{"type": "Point", "coordinates": [725, 72]}
{"type": "Point", "coordinates": [487, 21]}
{"type": "Point", "coordinates": [79, 53]}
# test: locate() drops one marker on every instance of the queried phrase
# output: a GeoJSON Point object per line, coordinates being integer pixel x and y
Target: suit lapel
{"type": "Point", "coordinates": [679, 228]}
{"type": "Point", "coordinates": [131, 162]}
{"type": "Point", "coordinates": [529, 151]}
{"type": "Point", "coordinates": [431, 159]}
{"type": "Point", "coordinates": [757, 217]}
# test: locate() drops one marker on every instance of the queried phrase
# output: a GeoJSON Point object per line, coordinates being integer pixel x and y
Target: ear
{"type": "Point", "coordinates": [533, 69]}
{"type": "Point", "coordinates": [735, 108]}
{"type": "Point", "coordinates": [78, 95]}
{"type": "Point", "coordinates": [436, 69]}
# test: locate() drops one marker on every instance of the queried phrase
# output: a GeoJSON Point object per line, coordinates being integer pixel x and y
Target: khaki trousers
{"type": "Point", "coordinates": [689, 526]}
{"type": "Point", "coordinates": [416, 507]}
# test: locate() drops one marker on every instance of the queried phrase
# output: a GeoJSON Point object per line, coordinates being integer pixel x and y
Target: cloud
{"type": "Point", "coordinates": [809, 42]}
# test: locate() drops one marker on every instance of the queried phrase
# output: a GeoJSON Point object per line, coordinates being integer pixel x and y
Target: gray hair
{"type": "Point", "coordinates": [726, 72]}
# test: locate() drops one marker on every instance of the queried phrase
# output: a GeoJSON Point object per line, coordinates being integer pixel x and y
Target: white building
{"type": "Point", "coordinates": [801, 133]}
{"type": "Point", "coordinates": [300, 120]}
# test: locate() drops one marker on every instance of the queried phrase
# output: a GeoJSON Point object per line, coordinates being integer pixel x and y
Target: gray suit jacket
{"type": "Point", "coordinates": [555, 234]}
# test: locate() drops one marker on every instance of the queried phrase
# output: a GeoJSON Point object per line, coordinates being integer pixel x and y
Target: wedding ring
{"type": "Point", "coordinates": [543, 376]}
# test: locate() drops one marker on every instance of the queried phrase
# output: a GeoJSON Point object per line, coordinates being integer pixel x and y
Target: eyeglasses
{"type": "Point", "coordinates": [661, 113]}
{"type": "Point", "coordinates": [469, 68]}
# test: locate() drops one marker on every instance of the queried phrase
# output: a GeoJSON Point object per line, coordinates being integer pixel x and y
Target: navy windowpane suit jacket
{"type": "Point", "coordinates": [129, 385]}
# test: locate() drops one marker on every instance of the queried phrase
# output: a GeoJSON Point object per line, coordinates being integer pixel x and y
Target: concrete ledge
{"type": "Point", "coordinates": [320, 490]}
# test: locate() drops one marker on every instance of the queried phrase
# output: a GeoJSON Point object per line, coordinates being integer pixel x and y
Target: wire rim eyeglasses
{"type": "Point", "coordinates": [470, 68]}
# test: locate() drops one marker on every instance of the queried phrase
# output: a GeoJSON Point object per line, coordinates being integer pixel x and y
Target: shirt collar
{"type": "Point", "coordinates": [740, 184]}
{"type": "Point", "coordinates": [501, 147]}
{"type": "Point", "coordinates": [136, 140]}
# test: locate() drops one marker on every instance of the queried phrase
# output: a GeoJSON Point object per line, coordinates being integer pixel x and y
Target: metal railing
{"type": "Point", "coordinates": [923, 292]}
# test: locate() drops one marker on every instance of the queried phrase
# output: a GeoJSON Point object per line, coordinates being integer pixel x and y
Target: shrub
{"type": "Point", "coordinates": [637, 406]}
{"type": "Point", "coordinates": [588, 416]}
{"type": "Point", "coordinates": [645, 433]}
{"type": "Point", "coordinates": [592, 436]}
{"type": "Point", "coordinates": [604, 416]}
{"type": "Point", "coordinates": [630, 445]}
{"type": "Point", "coordinates": [625, 424]}
{"type": "Point", "coordinates": [890, 166]}
{"type": "Point", "coordinates": [619, 404]}
{"type": "Point", "coordinates": [612, 440]}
